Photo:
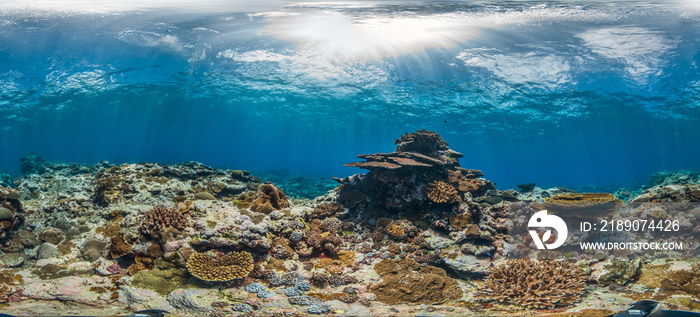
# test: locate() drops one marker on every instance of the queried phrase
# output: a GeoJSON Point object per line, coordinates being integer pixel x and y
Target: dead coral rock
{"type": "Point", "coordinates": [9, 198]}
{"type": "Point", "coordinates": [326, 210]}
{"type": "Point", "coordinates": [442, 193]}
{"type": "Point", "coordinates": [159, 218]}
{"type": "Point", "coordinates": [222, 268]}
{"type": "Point", "coordinates": [204, 196]}
{"type": "Point", "coordinates": [582, 205]}
{"type": "Point", "coordinates": [670, 193]}
{"type": "Point", "coordinates": [534, 284]}
{"type": "Point", "coordinates": [268, 198]}
{"type": "Point", "coordinates": [404, 282]}
{"type": "Point", "coordinates": [92, 249]}
{"type": "Point", "coordinates": [52, 235]}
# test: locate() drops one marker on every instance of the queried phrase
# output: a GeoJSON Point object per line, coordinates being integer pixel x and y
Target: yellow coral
{"type": "Point", "coordinates": [442, 193]}
{"type": "Point", "coordinates": [223, 268]}
{"type": "Point", "coordinates": [395, 231]}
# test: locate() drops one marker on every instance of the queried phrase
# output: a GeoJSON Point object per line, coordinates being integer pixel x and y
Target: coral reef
{"type": "Point", "coordinates": [534, 284]}
{"type": "Point", "coordinates": [222, 268]}
{"type": "Point", "coordinates": [399, 181]}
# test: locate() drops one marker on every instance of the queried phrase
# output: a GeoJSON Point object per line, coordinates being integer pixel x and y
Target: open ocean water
{"type": "Point", "coordinates": [559, 93]}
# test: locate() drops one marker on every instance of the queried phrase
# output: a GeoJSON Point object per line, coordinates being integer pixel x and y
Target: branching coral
{"type": "Point", "coordinates": [534, 284]}
{"type": "Point", "coordinates": [442, 193]}
{"type": "Point", "coordinates": [159, 218]}
{"type": "Point", "coordinates": [223, 268]}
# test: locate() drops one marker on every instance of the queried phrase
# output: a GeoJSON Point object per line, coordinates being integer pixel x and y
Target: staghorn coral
{"type": "Point", "coordinates": [442, 193]}
{"type": "Point", "coordinates": [223, 268]}
{"type": "Point", "coordinates": [268, 198]}
{"type": "Point", "coordinates": [159, 218]}
{"type": "Point", "coordinates": [534, 284]}
{"type": "Point", "coordinates": [583, 205]}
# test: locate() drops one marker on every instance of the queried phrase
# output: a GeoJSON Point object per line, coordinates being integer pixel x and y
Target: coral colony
{"type": "Point", "coordinates": [416, 234]}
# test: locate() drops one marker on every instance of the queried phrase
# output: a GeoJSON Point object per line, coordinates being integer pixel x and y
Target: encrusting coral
{"type": "Point", "coordinates": [442, 193]}
{"type": "Point", "coordinates": [404, 281]}
{"type": "Point", "coordinates": [534, 284]}
{"type": "Point", "coordinates": [222, 268]}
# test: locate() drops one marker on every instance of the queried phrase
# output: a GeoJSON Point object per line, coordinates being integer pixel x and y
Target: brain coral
{"type": "Point", "coordinates": [442, 193]}
{"type": "Point", "coordinates": [534, 284]}
{"type": "Point", "coordinates": [223, 268]}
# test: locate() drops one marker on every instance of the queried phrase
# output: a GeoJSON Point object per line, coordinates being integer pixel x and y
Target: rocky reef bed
{"type": "Point", "coordinates": [416, 235]}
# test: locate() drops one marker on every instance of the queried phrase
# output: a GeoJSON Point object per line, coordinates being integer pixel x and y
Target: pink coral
{"type": "Point", "coordinates": [114, 269]}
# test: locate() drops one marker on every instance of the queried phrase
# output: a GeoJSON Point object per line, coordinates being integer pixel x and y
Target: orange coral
{"type": "Point", "coordinates": [442, 193]}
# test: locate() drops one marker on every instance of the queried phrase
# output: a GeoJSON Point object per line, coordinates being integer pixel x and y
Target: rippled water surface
{"type": "Point", "coordinates": [556, 93]}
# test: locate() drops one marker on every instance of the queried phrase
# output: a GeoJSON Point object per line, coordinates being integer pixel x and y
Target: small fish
{"type": "Point", "coordinates": [650, 308]}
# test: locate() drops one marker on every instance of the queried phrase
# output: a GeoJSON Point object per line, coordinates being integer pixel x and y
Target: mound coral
{"type": "Point", "coordinates": [422, 141]}
{"type": "Point", "coordinates": [404, 282]}
{"type": "Point", "coordinates": [442, 193]}
{"type": "Point", "coordinates": [268, 198]}
{"type": "Point", "coordinates": [583, 205]}
{"type": "Point", "coordinates": [534, 284]}
{"type": "Point", "coordinates": [223, 268]}
{"type": "Point", "coordinates": [159, 218]}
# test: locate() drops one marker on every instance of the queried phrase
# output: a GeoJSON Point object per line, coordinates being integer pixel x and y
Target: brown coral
{"type": "Point", "coordinates": [395, 231]}
{"type": "Point", "coordinates": [159, 218]}
{"type": "Point", "coordinates": [422, 141]}
{"type": "Point", "coordinates": [404, 282]}
{"type": "Point", "coordinates": [222, 268]}
{"type": "Point", "coordinates": [534, 284]}
{"type": "Point", "coordinates": [268, 198]}
{"type": "Point", "coordinates": [118, 248]}
{"type": "Point", "coordinates": [583, 205]}
{"type": "Point", "coordinates": [442, 193]}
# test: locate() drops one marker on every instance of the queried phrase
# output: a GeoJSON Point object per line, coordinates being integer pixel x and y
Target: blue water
{"type": "Point", "coordinates": [556, 93]}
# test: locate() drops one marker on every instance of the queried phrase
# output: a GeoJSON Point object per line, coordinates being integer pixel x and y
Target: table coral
{"type": "Point", "coordinates": [227, 267]}
{"type": "Point", "coordinates": [534, 284]}
{"type": "Point", "coordinates": [584, 205]}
